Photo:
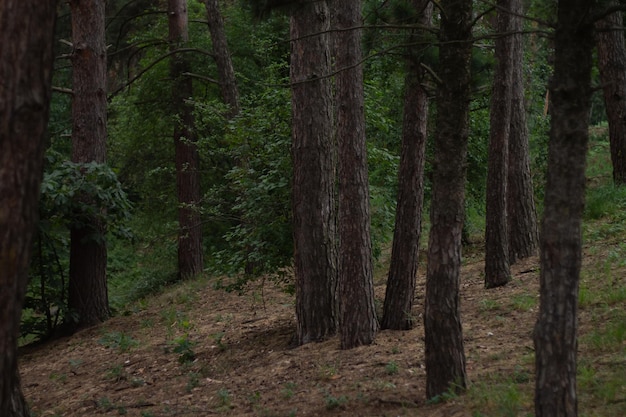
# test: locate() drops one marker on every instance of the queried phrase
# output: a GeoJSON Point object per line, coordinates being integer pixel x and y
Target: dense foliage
{"type": "Point", "coordinates": [245, 161]}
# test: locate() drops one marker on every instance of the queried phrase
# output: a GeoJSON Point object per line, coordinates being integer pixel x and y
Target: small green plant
{"type": "Point", "coordinates": [327, 372]}
{"type": "Point", "coordinates": [62, 377]}
{"type": "Point", "coordinates": [186, 297]}
{"type": "Point", "coordinates": [586, 375]}
{"type": "Point", "coordinates": [183, 346]}
{"type": "Point", "coordinates": [226, 318]}
{"type": "Point", "coordinates": [147, 414]}
{"type": "Point", "coordinates": [604, 200]}
{"type": "Point", "coordinates": [524, 302]}
{"type": "Point", "coordinates": [175, 318]}
{"type": "Point", "coordinates": [218, 338]}
{"type": "Point", "coordinates": [117, 373]}
{"type": "Point", "coordinates": [501, 396]}
{"type": "Point", "coordinates": [75, 363]}
{"type": "Point", "coordinates": [618, 295]}
{"type": "Point", "coordinates": [224, 398]}
{"type": "Point", "coordinates": [585, 296]}
{"type": "Point", "coordinates": [487, 304]}
{"type": "Point", "coordinates": [334, 402]}
{"type": "Point", "coordinates": [288, 390]}
{"type": "Point", "coordinates": [137, 382]}
{"type": "Point", "coordinates": [193, 381]}
{"type": "Point", "coordinates": [609, 337]}
{"type": "Point", "coordinates": [105, 404]}
{"type": "Point", "coordinates": [510, 403]}
{"type": "Point", "coordinates": [450, 394]}
{"type": "Point", "coordinates": [520, 375]}
{"type": "Point", "coordinates": [381, 384]}
{"type": "Point", "coordinates": [254, 398]}
{"type": "Point", "coordinates": [391, 368]}
{"type": "Point", "coordinates": [147, 323]}
{"type": "Point", "coordinates": [118, 340]}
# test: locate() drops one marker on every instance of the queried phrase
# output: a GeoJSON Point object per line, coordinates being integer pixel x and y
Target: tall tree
{"type": "Point", "coordinates": [26, 37]}
{"type": "Point", "coordinates": [225, 69]}
{"type": "Point", "coordinates": [190, 254]}
{"type": "Point", "coordinates": [313, 154]}
{"type": "Point", "coordinates": [497, 267]}
{"type": "Point", "coordinates": [520, 205]}
{"type": "Point", "coordinates": [357, 316]}
{"type": "Point", "coordinates": [407, 232]}
{"type": "Point", "coordinates": [555, 332]}
{"type": "Point", "coordinates": [611, 48]}
{"type": "Point", "coordinates": [445, 356]}
{"type": "Point", "coordinates": [88, 296]}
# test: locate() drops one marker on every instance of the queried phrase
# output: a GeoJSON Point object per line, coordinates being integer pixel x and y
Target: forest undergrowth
{"type": "Point", "coordinates": [195, 350]}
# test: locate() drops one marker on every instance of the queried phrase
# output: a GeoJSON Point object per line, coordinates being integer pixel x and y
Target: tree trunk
{"type": "Point", "coordinates": [357, 316]}
{"type": "Point", "coordinates": [408, 228]}
{"type": "Point", "coordinates": [26, 37]}
{"type": "Point", "coordinates": [612, 65]}
{"type": "Point", "coordinates": [556, 328]}
{"type": "Point", "coordinates": [445, 357]}
{"type": "Point", "coordinates": [313, 153]}
{"type": "Point", "coordinates": [520, 206]}
{"type": "Point", "coordinates": [88, 297]}
{"type": "Point", "coordinates": [497, 268]}
{"type": "Point", "coordinates": [190, 254]}
{"type": "Point", "coordinates": [225, 70]}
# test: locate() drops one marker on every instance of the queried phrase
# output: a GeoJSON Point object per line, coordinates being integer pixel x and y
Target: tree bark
{"type": "Point", "coordinates": [357, 315]}
{"type": "Point", "coordinates": [26, 37]}
{"type": "Point", "coordinates": [187, 160]}
{"type": "Point", "coordinates": [400, 289]}
{"type": "Point", "coordinates": [225, 70]}
{"type": "Point", "coordinates": [521, 211]}
{"type": "Point", "coordinates": [445, 356]}
{"type": "Point", "coordinates": [611, 48]}
{"type": "Point", "coordinates": [314, 159]}
{"type": "Point", "coordinates": [88, 296]}
{"type": "Point", "coordinates": [497, 267]}
{"type": "Point", "coordinates": [555, 332]}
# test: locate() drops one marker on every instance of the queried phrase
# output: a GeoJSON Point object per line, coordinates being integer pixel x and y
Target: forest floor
{"type": "Point", "coordinates": [198, 351]}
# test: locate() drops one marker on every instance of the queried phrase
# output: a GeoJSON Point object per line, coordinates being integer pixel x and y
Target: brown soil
{"type": "Point", "coordinates": [245, 365]}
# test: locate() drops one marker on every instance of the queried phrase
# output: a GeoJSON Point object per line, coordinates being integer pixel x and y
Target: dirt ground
{"type": "Point", "coordinates": [197, 351]}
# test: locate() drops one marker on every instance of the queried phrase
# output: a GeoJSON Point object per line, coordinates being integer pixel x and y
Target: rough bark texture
{"type": "Point", "coordinates": [26, 36]}
{"type": "Point", "coordinates": [190, 254]}
{"type": "Point", "coordinates": [407, 232]}
{"type": "Point", "coordinates": [313, 153]}
{"type": "Point", "coordinates": [497, 267]}
{"type": "Point", "coordinates": [225, 70]}
{"type": "Point", "coordinates": [521, 212]}
{"type": "Point", "coordinates": [88, 296]}
{"type": "Point", "coordinates": [445, 356]}
{"type": "Point", "coordinates": [357, 316]}
{"type": "Point", "coordinates": [612, 65]}
{"type": "Point", "coordinates": [556, 328]}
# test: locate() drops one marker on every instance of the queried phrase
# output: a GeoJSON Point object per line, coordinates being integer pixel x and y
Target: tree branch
{"type": "Point", "coordinates": [63, 90]}
{"type": "Point", "coordinates": [152, 64]}
{"type": "Point", "coordinates": [200, 77]}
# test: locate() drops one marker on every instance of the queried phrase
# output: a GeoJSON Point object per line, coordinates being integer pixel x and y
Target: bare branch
{"type": "Point", "coordinates": [200, 77]}
{"type": "Point", "coordinates": [432, 73]}
{"type": "Point", "coordinates": [152, 64]}
{"type": "Point", "coordinates": [523, 16]}
{"type": "Point", "coordinates": [63, 90]}
{"type": "Point", "coordinates": [607, 11]}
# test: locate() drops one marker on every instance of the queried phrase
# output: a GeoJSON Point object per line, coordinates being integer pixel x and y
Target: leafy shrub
{"type": "Point", "coordinates": [72, 195]}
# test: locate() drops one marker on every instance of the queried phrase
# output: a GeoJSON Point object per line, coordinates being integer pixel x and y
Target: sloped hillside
{"type": "Point", "coordinates": [197, 351]}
